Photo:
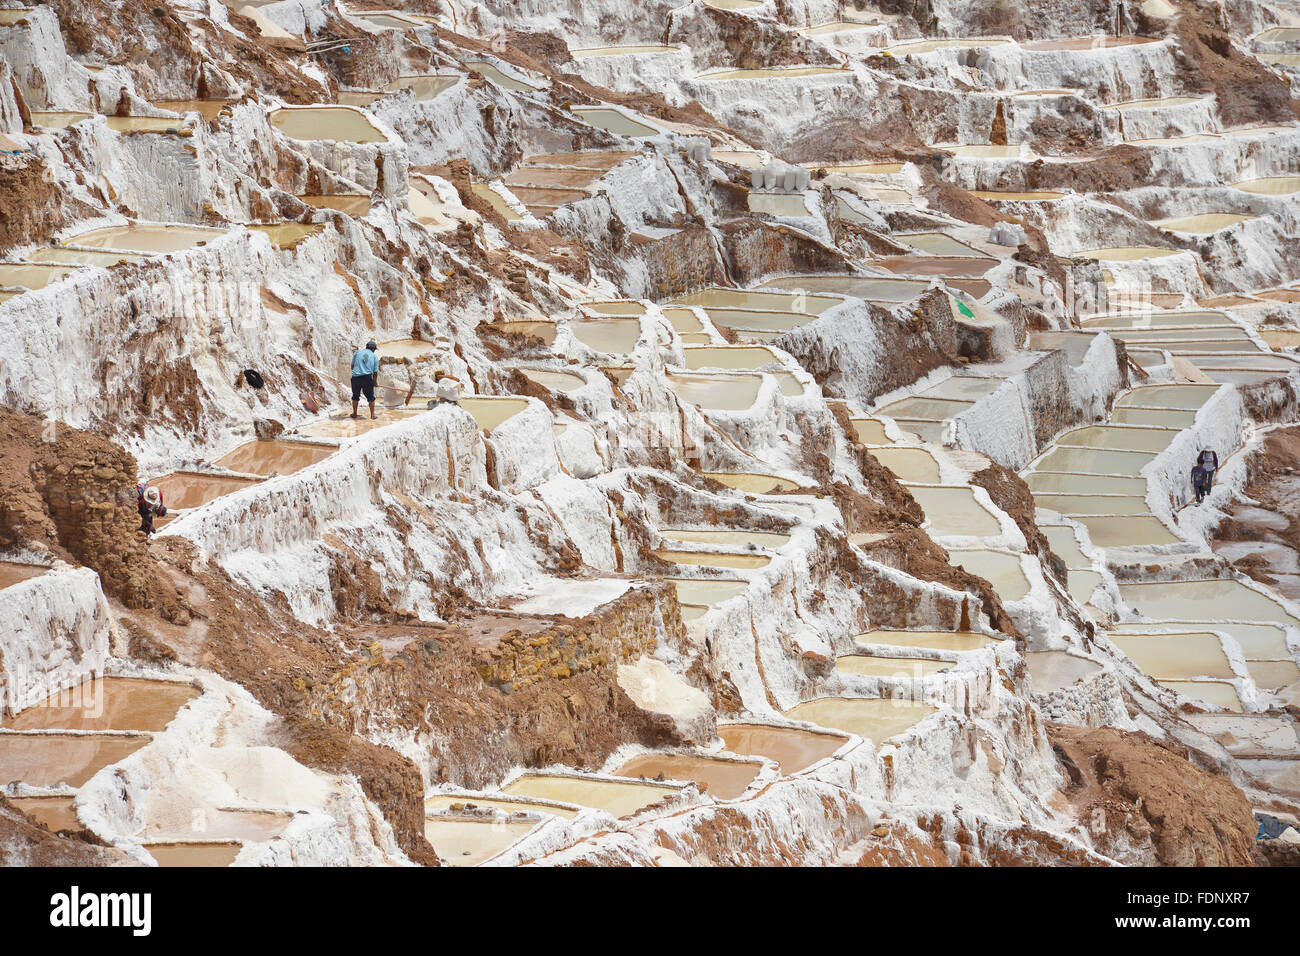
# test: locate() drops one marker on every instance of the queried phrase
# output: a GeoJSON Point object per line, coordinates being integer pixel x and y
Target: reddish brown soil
{"type": "Point", "coordinates": [24, 842]}
{"type": "Point", "coordinates": [154, 42]}
{"type": "Point", "coordinates": [32, 207]}
{"type": "Point", "coordinates": [1247, 91]}
{"type": "Point", "coordinates": [1146, 803]}
{"type": "Point", "coordinates": [75, 494]}
{"type": "Point", "coordinates": [1273, 480]}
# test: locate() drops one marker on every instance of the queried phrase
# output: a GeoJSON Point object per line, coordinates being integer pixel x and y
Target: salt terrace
{"type": "Point", "coordinates": [720, 461]}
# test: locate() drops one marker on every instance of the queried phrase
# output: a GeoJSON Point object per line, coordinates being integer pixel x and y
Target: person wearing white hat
{"type": "Point", "coordinates": [149, 504]}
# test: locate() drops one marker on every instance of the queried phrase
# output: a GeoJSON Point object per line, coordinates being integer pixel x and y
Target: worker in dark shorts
{"type": "Point", "coordinates": [365, 368]}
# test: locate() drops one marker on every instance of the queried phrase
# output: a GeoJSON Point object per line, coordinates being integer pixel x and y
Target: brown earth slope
{"type": "Point", "coordinates": [1146, 803]}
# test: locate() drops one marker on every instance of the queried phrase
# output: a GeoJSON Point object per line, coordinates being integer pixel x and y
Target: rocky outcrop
{"type": "Point", "coordinates": [1144, 802]}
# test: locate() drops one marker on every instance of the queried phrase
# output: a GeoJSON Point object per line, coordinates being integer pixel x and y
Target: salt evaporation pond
{"type": "Point", "coordinates": [286, 235]}
{"type": "Point", "coordinates": [614, 121]}
{"type": "Point", "coordinates": [761, 325]}
{"type": "Point", "coordinates": [12, 572]}
{"type": "Point", "coordinates": [490, 411]}
{"type": "Point", "coordinates": [955, 511]}
{"type": "Point", "coordinates": [337, 123]}
{"type": "Point", "coordinates": [874, 720]}
{"type": "Point", "coordinates": [145, 238]}
{"type": "Point", "coordinates": [1187, 397]}
{"type": "Point", "coordinates": [914, 465]}
{"type": "Point", "coordinates": [719, 298]}
{"type": "Point", "coordinates": [618, 798]}
{"type": "Point", "coordinates": [684, 322]}
{"type": "Point", "coordinates": [496, 201]}
{"type": "Point", "coordinates": [730, 393]}
{"type": "Point", "coordinates": [1270, 185]}
{"type": "Point", "coordinates": [925, 409]}
{"type": "Point", "coordinates": [1001, 569]}
{"type": "Point", "coordinates": [869, 431]}
{"type": "Point", "coordinates": [1202, 224]}
{"type": "Point", "coordinates": [1065, 546]}
{"type": "Point", "coordinates": [107, 703]}
{"type": "Point", "coordinates": [1075, 44]}
{"type": "Point", "coordinates": [540, 329]}
{"type": "Point", "coordinates": [1128, 253]}
{"type": "Point", "coordinates": [344, 426]}
{"type": "Point", "coordinates": [1218, 599]}
{"type": "Point", "coordinates": [55, 813]}
{"type": "Point", "coordinates": [191, 489]}
{"type": "Point", "coordinates": [788, 205]}
{"type": "Point", "coordinates": [353, 204]}
{"type": "Point", "coordinates": [1257, 641]}
{"type": "Point", "coordinates": [47, 760]}
{"type": "Point", "coordinates": [406, 348]}
{"type": "Point", "coordinates": [1174, 656]}
{"type": "Point", "coordinates": [631, 49]}
{"type": "Point", "coordinates": [1092, 504]}
{"type": "Point", "coordinates": [611, 336]}
{"type": "Point", "coordinates": [723, 779]}
{"type": "Point", "coordinates": [565, 382]}
{"type": "Point", "coordinates": [194, 854]}
{"type": "Point", "coordinates": [1212, 692]}
{"type": "Point", "coordinates": [1052, 670]}
{"type": "Point", "coordinates": [1056, 482]}
{"type": "Point", "coordinates": [714, 559]}
{"type": "Point", "coordinates": [62, 255]}
{"type": "Point", "coordinates": [502, 79]}
{"type": "Point", "coordinates": [929, 640]}
{"type": "Point", "coordinates": [208, 109]}
{"type": "Point", "coordinates": [793, 749]}
{"type": "Point", "coordinates": [704, 592]}
{"type": "Point", "coordinates": [468, 841]}
{"type": "Point", "coordinates": [425, 86]}
{"type": "Point", "coordinates": [945, 43]}
{"type": "Point", "coordinates": [1159, 417]}
{"type": "Point", "coordinates": [1273, 675]}
{"type": "Point", "coordinates": [459, 802]}
{"type": "Point", "coordinates": [729, 357]}
{"type": "Point", "coordinates": [963, 387]}
{"type": "Point", "coordinates": [937, 244]}
{"type": "Point", "coordinates": [274, 457]}
{"type": "Point", "coordinates": [1094, 461]}
{"type": "Point", "coordinates": [1149, 320]}
{"type": "Point", "coordinates": [862, 665]}
{"type": "Point", "coordinates": [754, 483]}
{"type": "Point", "coordinates": [33, 275]}
{"type": "Point", "coordinates": [739, 538]}
{"type": "Point", "coordinates": [1126, 531]}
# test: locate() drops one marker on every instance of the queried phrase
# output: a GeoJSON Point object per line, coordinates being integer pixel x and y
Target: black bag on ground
{"type": "Point", "coordinates": [254, 378]}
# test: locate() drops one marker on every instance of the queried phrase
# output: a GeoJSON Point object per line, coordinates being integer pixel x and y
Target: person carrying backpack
{"type": "Point", "coordinates": [365, 369]}
{"type": "Point", "coordinates": [149, 504]}
{"type": "Point", "coordinates": [1210, 462]}
{"type": "Point", "coordinates": [1198, 482]}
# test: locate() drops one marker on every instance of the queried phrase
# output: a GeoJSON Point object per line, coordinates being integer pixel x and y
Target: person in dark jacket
{"type": "Point", "coordinates": [1210, 462]}
{"type": "Point", "coordinates": [149, 503]}
{"type": "Point", "coordinates": [1199, 482]}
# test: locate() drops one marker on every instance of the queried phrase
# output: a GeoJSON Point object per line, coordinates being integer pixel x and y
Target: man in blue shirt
{"type": "Point", "coordinates": [365, 368]}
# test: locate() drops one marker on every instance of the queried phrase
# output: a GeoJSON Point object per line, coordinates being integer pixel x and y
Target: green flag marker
{"type": "Point", "coordinates": [961, 307]}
